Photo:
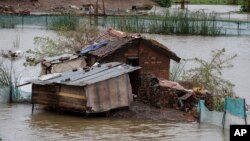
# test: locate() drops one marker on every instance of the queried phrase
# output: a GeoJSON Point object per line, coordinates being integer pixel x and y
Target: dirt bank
{"type": "Point", "coordinates": [139, 110]}
{"type": "Point", "coordinates": [48, 5]}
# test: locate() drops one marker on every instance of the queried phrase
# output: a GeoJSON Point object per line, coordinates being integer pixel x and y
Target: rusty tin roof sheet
{"type": "Point", "coordinates": [94, 75]}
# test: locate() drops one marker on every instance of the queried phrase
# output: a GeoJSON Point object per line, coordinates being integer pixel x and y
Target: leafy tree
{"type": "Point", "coordinates": [209, 73]}
{"type": "Point", "coordinates": [245, 7]}
{"type": "Point", "coordinates": [67, 42]}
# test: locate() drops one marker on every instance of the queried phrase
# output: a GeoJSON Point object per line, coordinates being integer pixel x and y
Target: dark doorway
{"type": "Point", "coordinates": [134, 76]}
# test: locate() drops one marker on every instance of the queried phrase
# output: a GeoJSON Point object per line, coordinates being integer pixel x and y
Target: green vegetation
{"type": "Point", "coordinates": [4, 77]}
{"type": "Point", "coordinates": [67, 42]}
{"type": "Point", "coordinates": [4, 84]}
{"type": "Point", "coordinates": [6, 24]}
{"type": "Point", "coordinates": [176, 71]}
{"type": "Point", "coordinates": [64, 23]}
{"type": "Point", "coordinates": [208, 73]}
{"type": "Point", "coordinates": [245, 6]}
{"type": "Point", "coordinates": [8, 76]}
{"type": "Point", "coordinates": [181, 23]}
{"type": "Point", "coordinates": [163, 3]}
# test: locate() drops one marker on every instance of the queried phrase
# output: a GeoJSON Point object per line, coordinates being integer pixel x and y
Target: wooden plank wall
{"type": "Point", "coordinates": [45, 94]}
{"type": "Point", "coordinates": [59, 96]}
{"type": "Point", "coordinates": [72, 97]}
{"type": "Point", "coordinates": [109, 94]}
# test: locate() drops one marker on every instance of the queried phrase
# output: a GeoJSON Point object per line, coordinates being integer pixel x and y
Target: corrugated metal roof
{"type": "Point", "coordinates": [96, 74]}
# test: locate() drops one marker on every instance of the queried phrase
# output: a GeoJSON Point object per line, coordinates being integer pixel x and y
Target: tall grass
{"type": "Point", "coordinates": [177, 71]}
{"type": "Point", "coordinates": [64, 23]}
{"type": "Point", "coordinates": [195, 23]}
{"type": "Point", "coordinates": [7, 24]}
{"type": "Point", "coordinates": [4, 84]}
{"type": "Point", "coordinates": [4, 77]}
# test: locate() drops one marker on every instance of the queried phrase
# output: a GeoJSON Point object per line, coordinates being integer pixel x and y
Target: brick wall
{"type": "Point", "coordinates": [151, 60]}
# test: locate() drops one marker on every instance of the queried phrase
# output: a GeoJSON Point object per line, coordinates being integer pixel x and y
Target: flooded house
{"type": "Point", "coordinates": [96, 89]}
{"type": "Point", "coordinates": [113, 45]}
{"type": "Point", "coordinates": [61, 63]}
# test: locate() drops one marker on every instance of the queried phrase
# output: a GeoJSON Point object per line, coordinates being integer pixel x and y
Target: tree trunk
{"type": "Point", "coordinates": [103, 6]}
{"type": "Point", "coordinates": [182, 4]}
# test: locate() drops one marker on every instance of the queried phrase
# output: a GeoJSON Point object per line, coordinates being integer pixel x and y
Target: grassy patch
{"type": "Point", "coordinates": [64, 23]}
{"type": "Point", "coordinates": [182, 23]}
{"type": "Point", "coordinates": [163, 3]}
{"type": "Point", "coordinates": [6, 24]}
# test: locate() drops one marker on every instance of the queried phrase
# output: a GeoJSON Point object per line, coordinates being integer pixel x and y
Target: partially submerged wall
{"type": "Point", "coordinates": [110, 94]}
{"type": "Point", "coordinates": [97, 97]}
{"type": "Point", "coordinates": [59, 96]}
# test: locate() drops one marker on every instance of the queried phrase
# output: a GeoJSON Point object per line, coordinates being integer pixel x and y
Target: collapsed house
{"type": "Point", "coordinates": [96, 89]}
{"type": "Point", "coordinates": [113, 45]}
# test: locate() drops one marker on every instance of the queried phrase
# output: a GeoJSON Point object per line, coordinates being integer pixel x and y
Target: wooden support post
{"type": "Point", "coordinates": [22, 21]}
{"type": "Point", "coordinates": [10, 81]}
{"type": "Point", "coordinates": [107, 113]}
{"type": "Point", "coordinates": [182, 4]}
{"type": "Point", "coordinates": [245, 114]}
{"type": "Point", "coordinates": [224, 119]}
{"type": "Point", "coordinates": [199, 112]}
{"type": "Point", "coordinates": [103, 7]}
{"type": "Point", "coordinates": [224, 115]}
{"type": "Point", "coordinates": [46, 20]}
{"type": "Point", "coordinates": [33, 105]}
{"type": "Point", "coordinates": [213, 25]}
{"type": "Point", "coordinates": [238, 27]}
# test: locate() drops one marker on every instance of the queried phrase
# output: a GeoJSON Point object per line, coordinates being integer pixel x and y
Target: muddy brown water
{"type": "Point", "coordinates": [17, 122]}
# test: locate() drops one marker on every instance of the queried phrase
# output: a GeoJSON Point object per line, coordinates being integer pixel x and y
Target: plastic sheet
{"type": "Point", "coordinates": [216, 118]}
{"type": "Point", "coordinates": [17, 95]}
{"type": "Point", "coordinates": [235, 106]}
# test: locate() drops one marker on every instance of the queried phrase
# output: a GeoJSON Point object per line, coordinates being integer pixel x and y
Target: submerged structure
{"type": "Point", "coordinates": [62, 63]}
{"type": "Point", "coordinates": [91, 90]}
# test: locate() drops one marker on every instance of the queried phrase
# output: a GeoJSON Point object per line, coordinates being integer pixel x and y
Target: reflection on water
{"type": "Point", "coordinates": [17, 123]}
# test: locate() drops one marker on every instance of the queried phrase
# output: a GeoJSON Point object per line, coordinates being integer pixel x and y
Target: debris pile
{"type": "Point", "coordinates": [168, 94]}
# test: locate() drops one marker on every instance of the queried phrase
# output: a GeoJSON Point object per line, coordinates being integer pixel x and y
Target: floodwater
{"type": "Point", "coordinates": [210, 8]}
{"type": "Point", "coordinates": [228, 12]}
{"type": "Point", "coordinates": [17, 122]}
{"type": "Point", "coordinates": [25, 37]}
{"type": "Point", "coordinates": [188, 47]}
